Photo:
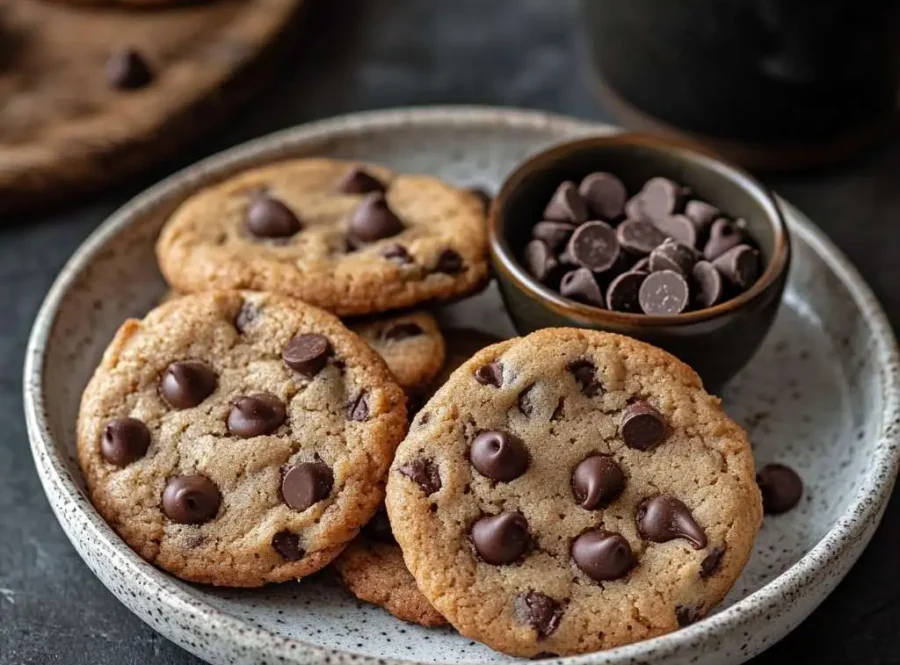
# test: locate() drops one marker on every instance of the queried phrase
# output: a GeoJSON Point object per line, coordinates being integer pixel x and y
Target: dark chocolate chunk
{"type": "Point", "coordinates": [449, 262]}
{"type": "Point", "coordinates": [708, 288]}
{"type": "Point", "coordinates": [597, 481]}
{"type": "Point", "coordinates": [585, 373]}
{"type": "Point", "coordinates": [555, 234]}
{"type": "Point", "coordinates": [566, 205]}
{"type": "Point", "coordinates": [500, 539]}
{"type": "Point", "coordinates": [665, 518]}
{"type": "Point", "coordinates": [305, 484]}
{"type": "Point", "coordinates": [425, 473]}
{"type": "Point", "coordinates": [287, 544]}
{"type": "Point", "coordinates": [127, 70]}
{"type": "Point", "coordinates": [604, 194]}
{"type": "Point", "coordinates": [490, 374]}
{"type": "Point", "coordinates": [358, 181]}
{"type": "Point", "coordinates": [401, 331]}
{"type": "Point", "coordinates": [638, 237]}
{"type": "Point", "coordinates": [270, 218]}
{"type": "Point", "coordinates": [672, 255]}
{"type": "Point", "coordinates": [680, 228]}
{"type": "Point", "coordinates": [256, 415]}
{"type": "Point", "coordinates": [622, 293]}
{"type": "Point", "coordinates": [358, 409]}
{"type": "Point", "coordinates": [664, 293]}
{"type": "Point", "coordinates": [500, 456]}
{"type": "Point", "coordinates": [191, 499]}
{"type": "Point", "coordinates": [124, 440]}
{"type": "Point", "coordinates": [642, 426]}
{"type": "Point", "coordinates": [538, 611]}
{"type": "Point", "coordinates": [306, 353]}
{"type": "Point", "coordinates": [739, 265]}
{"type": "Point", "coordinates": [781, 488]}
{"type": "Point", "coordinates": [581, 285]}
{"type": "Point", "coordinates": [603, 556]}
{"type": "Point", "coordinates": [594, 246]}
{"type": "Point", "coordinates": [539, 260]}
{"type": "Point", "coordinates": [373, 220]}
{"type": "Point", "coordinates": [723, 235]}
{"type": "Point", "coordinates": [187, 383]}
{"type": "Point", "coordinates": [711, 562]}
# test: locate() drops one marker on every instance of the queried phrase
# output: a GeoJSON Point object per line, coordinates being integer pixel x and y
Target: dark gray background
{"type": "Point", "coordinates": [377, 54]}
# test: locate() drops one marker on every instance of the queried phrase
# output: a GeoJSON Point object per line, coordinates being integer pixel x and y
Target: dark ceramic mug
{"type": "Point", "coordinates": [716, 342]}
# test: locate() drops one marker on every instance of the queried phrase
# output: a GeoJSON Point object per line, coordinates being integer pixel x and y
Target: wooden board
{"type": "Point", "coordinates": [64, 129]}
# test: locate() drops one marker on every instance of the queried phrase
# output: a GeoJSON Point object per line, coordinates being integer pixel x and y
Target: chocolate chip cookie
{"type": "Point", "coordinates": [348, 237]}
{"type": "Point", "coordinates": [572, 491]}
{"type": "Point", "coordinates": [238, 438]}
{"type": "Point", "coordinates": [372, 566]}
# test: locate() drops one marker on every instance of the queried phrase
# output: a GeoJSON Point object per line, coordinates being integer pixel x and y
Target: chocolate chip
{"type": "Point", "coordinates": [708, 287]}
{"type": "Point", "coordinates": [665, 518]}
{"type": "Point", "coordinates": [379, 528]}
{"type": "Point", "coordinates": [256, 415]}
{"type": "Point", "coordinates": [642, 426]}
{"type": "Point", "coordinates": [287, 544]}
{"type": "Point", "coordinates": [358, 181]}
{"type": "Point", "coordinates": [306, 353]}
{"type": "Point", "coordinates": [395, 252]}
{"type": "Point", "coordinates": [403, 330]}
{"type": "Point", "coordinates": [702, 214]}
{"type": "Point", "coordinates": [127, 70]}
{"type": "Point", "coordinates": [191, 499]}
{"type": "Point", "coordinates": [664, 293]}
{"type": "Point", "coordinates": [539, 260]}
{"type": "Point", "coordinates": [555, 234]}
{"type": "Point", "coordinates": [594, 246]}
{"type": "Point", "coordinates": [124, 440]}
{"type": "Point", "coordinates": [580, 285]}
{"type": "Point", "coordinates": [566, 205]}
{"type": "Point", "coordinates": [524, 401]}
{"type": "Point", "coordinates": [658, 199]}
{"type": "Point", "coordinates": [642, 266]}
{"type": "Point", "coordinates": [359, 408]}
{"type": "Point", "coordinates": [585, 373]}
{"type": "Point", "coordinates": [686, 615]}
{"type": "Point", "coordinates": [673, 255]}
{"type": "Point", "coordinates": [622, 293]}
{"type": "Point", "coordinates": [305, 484]}
{"type": "Point", "coordinates": [603, 556]}
{"type": "Point", "coordinates": [597, 481]}
{"type": "Point", "coordinates": [711, 562]}
{"type": "Point", "coordinates": [245, 317]}
{"type": "Point", "coordinates": [490, 374]}
{"type": "Point", "coordinates": [739, 265]}
{"type": "Point", "coordinates": [187, 383]}
{"type": "Point", "coordinates": [680, 228]}
{"type": "Point", "coordinates": [604, 194]}
{"type": "Point", "coordinates": [500, 539]}
{"type": "Point", "coordinates": [638, 237]}
{"type": "Point", "coordinates": [373, 220]}
{"type": "Point", "coordinates": [484, 198]}
{"type": "Point", "coordinates": [425, 473]}
{"type": "Point", "coordinates": [723, 235]}
{"type": "Point", "coordinates": [538, 611]}
{"type": "Point", "coordinates": [449, 262]}
{"type": "Point", "coordinates": [270, 218]}
{"type": "Point", "coordinates": [499, 455]}
{"type": "Point", "coordinates": [781, 488]}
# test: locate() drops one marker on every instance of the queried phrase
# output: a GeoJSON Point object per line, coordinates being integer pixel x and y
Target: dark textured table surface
{"type": "Point", "coordinates": [376, 54]}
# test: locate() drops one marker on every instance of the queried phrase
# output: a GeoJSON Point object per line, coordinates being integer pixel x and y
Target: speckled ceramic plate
{"type": "Point", "coordinates": [821, 395]}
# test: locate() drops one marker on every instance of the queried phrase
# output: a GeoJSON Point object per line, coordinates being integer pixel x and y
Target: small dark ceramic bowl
{"type": "Point", "coordinates": [717, 341]}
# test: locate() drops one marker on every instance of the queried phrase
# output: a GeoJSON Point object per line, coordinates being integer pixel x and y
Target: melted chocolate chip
{"type": "Point", "coordinates": [665, 518]}
{"type": "Point", "coordinates": [781, 488]}
{"type": "Point", "coordinates": [538, 611]}
{"type": "Point", "coordinates": [358, 181]}
{"type": "Point", "coordinates": [256, 415]}
{"type": "Point", "coordinates": [501, 539]}
{"type": "Point", "coordinates": [187, 383]}
{"type": "Point", "coordinates": [373, 220]}
{"type": "Point", "coordinates": [191, 499]}
{"type": "Point", "coordinates": [305, 484]}
{"type": "Point", "coordinates": [490, 374]}
{"type": "Point", "coordinates": [711, 562]}
{"type": "Point", "coordinates": [449, 262]}
{"type": "Point", "coordinates": [124, 440]}
{"type": "Point", "coordinates": [306, 353]}
{"type": "Point", "coordinates": [597, 481]}
{"type": "Point", "coordinates": [425, 473]}
{"type": "Point", "coordinates": [642, 426]}
{"type": "Point", "coordinates": [270, 218]}
{"type": "Point", "coordinates": [287, 544]}
{"type": "Point", "coordinates": [359, 408]}
{"type": "Point", "coordinates": [585, 373]}
{"type": "Point", "coordinates": [400, 331]}
{"type": "Point", "coordinates": [500, 456]}
{"type": "Point", "coordinates": [603, 556]}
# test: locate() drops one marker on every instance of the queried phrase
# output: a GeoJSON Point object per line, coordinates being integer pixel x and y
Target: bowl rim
{"type": "Point", "coordinates": [505, 259]}
{"type": "Point", "coordinates": [156, 587]}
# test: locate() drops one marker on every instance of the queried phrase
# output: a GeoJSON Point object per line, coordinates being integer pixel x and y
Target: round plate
{"type": "Point", "coordinates": [821, 396]}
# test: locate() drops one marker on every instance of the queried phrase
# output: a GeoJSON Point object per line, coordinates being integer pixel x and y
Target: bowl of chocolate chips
{"type": "Point", "coordinates": [636, 235]}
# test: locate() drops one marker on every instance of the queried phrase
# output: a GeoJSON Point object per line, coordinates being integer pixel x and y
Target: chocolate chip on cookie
{"type": "Point", "coordinates": [424, 473]}
{"type": "Point", "coordinates": [665, 518]}
{"type": "Point", "coordinates": [124, 441]}
{"type": "Point", "coordinates": [256, 415]}
{"type": "Point", "coordinates": [642, 426]}
{"type": "Point", "coordinates": [306, 353]}
{"type": "Point", "coordinates": [270, 218]}
{"type": "Point", "coordinates": [499, 456]}
{"type": "Point", "coordinates": [500, 539]}
{"type": "Point", "coordinates": [597, 481]}
{"type": "Point", "coordinates": [373, 220]}
{"type": "Point", "coordinates": [191, 499]}
{"type": "Point", "coordinates": [359, 181]}
{"type": "Point", "coordinates": [603, 556]}
{"type": "Point", "coordinates": [187, 383]}
{"type": "Point", "coordinates": [305, 484]}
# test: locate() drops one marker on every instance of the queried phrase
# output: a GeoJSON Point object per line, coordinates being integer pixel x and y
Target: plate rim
{"type": "Point", "coordinates": [852, 529]}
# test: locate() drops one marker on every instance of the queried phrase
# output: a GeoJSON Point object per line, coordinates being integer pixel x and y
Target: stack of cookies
{"type": "Point", "coordinates": [555, 494]}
